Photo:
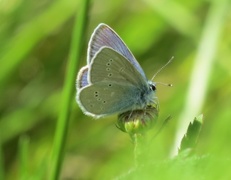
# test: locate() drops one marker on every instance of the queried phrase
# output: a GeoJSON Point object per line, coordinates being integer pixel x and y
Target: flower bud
{"type": "Point", "coordinates": [138, 121]}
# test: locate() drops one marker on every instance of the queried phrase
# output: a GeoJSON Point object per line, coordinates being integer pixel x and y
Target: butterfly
{"type": "Point", "coordinates": [113, 81]}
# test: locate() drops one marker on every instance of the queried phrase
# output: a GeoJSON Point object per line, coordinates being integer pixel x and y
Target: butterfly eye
{"type": "Point", "coordinates": [152, 87]}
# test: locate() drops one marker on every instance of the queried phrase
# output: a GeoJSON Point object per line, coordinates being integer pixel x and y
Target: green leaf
{"type": "Point", "coordinates": [189, 140]}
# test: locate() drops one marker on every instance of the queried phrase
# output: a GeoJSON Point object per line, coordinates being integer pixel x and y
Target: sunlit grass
{"type": "Point", "coordinates": [202, 69]}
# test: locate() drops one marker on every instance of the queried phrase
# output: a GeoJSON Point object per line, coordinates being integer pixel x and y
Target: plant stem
{"type": "Point", "coordinates": [68, 90]}
{"type": "Point", "coordinates": [139, 144]}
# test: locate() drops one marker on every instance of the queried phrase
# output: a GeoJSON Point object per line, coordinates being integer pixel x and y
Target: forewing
{"type": "Point", "coordinates": [103, 35]}
{"type": "Point", "coordinates": [106, 98]}
{"type": "Point", "coordinates": [110, 66]}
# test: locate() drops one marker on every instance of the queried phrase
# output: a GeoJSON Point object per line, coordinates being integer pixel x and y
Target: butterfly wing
{"type": "Point", "coordinates": [110, 66]}
{"type": "Point", "coordinates": [103, 35]}
{"type": "Point", "coordinates": [106, 98]}
{"type": "Point", "coordinates": [82, 79]}
{"type": "Point", "coordinates": [115, 86]}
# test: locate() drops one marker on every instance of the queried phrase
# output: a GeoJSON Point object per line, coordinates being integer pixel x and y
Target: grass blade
{"type": "Point", "coordinates": [68, 90]}
{"type": "Point", "coordinates": [202, 67]}
{"type": "Point", "coordinates": [1, 162]}
{"type": "Point", "coordinates": [14, 52]}
{"type": "Point", "coordinates": [23, 157]}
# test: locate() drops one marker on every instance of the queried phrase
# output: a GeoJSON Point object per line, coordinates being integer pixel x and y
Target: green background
{"type": "Point", "coordinates": [35, 40]}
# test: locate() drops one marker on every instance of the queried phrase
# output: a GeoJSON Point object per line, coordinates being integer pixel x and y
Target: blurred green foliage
{"type": "Point", "coordinates": [35, 38]}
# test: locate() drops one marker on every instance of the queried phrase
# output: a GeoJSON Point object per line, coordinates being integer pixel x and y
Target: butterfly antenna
{"type": "Point", "coordinates": [162, 69]}
{"type": "Point", "coordinates": [164, 84]}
